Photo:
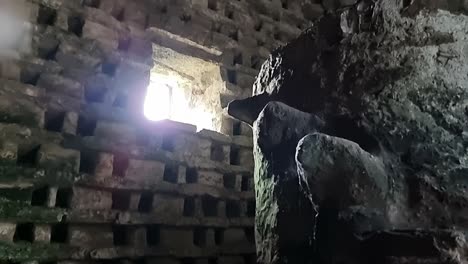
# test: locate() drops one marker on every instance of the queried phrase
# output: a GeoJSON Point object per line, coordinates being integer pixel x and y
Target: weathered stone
{"type": "Point", "coordinates": [42, 233]}
{"type": "Point", "coordinates": [176, 239]}
{"type": "Point", "coordinates": [90, 236]}
{"type": "Point", "coordinates": [118, 132]}
{"type": "Point", "coordinates": [105, 36]}
{"type": "Point", "coordinates": [7, 231]}
{"type": "Point", "coordinates": [104, 166]}
{"type": "Point", "coordinates": [168, 206]}
{"type": "Point", "coordinates": [70, 123]}
{"type": "Point", "coordinates": [57, 83]}
{"type": "Point", "coordinates": [145, 171]}
{"type": "Point", "coordinates": [26, 111]}
{"type": "Point", "coordinates": [384, 78]}
{"type": "Point", "coordinates": [56, 157]}
{"type": "Point", "coordinates": [210, 178]}
{"type": "Point", "coordinates": [8, 152]}
{"type": "Point", "coordinates": [84, 199]}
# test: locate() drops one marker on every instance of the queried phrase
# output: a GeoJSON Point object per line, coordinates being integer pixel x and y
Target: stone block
{"type": "Point", "coordinates": [169, 207]}
{"type": "Point", "coordinates": [84, 198]}
{"type": "Point", "coordinates": [59, 84]}
{"type": "Point", "coordinates": [104, 166]}
{"type": "Point", "coordinates": [107, 37]}
{"type": "Point", "coordinates": [211, 178]}
{"type": "Point", "coordinates": [52, 156]}
{"type": "Point", "coordinates": [70, 123]}
{"type": "Point", "coordinates": [101, 17]}
{"type": "Point", "coordinates": [145, 171]}
{"type": "Point", "coordinates": [90, 236]}
{"type": "Point", "coordinates": [118, 132]}
{"type": "Point", "coordinates": [234, 236]}
{"type": "Point", "coordinates": [215, 136]}
{"type": "Point", "coordinates": [21, 110]}
{"type": "Point", "coordinates": [10, 70]}
{"type": "Point", "coordinates": [8, 152]}
{"type": "Point", "coordinates": [176, 238]}
{"type": "Point", "coordinates": [52, 197]}
{"type": "Point", "coordinates": [134, 201]}
{"type": "Point", "coordinates": [7, 231]}
{"type": "Point", "coordinates": [74, 59]}
{"type": "Point", "coordinates": [137, 237]}
{"type": "Point", "coordinates": [219, 152]}
{"type": "Point", "coordinates": [246, 158]}
{"type": "Point", "coordinates": [42, 233]}
{"type": "Point", "coordinates": [15, 87]}
{"type": "Point", "coordinates": [210, 238]}
{"type": "Point", "coordinates": [182, 175]}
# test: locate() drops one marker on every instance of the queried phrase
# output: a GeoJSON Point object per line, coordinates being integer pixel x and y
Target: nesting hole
{"type": "Point", "coordinates": [229, 181]}
{"type": "Point", "coordinates": [54, 121]}
{"type": "Point", "coordinates": [219, 236]}
{"type": "Point", "coordinates": [168, 143]}
{"type": "Point", "coordinates": [63, 198]}
{"type": "Point", "coordinates": [191, 175]}
{"type": "Point", "coordinates": [236, 128]}
{"type": "Point", "coordinates": [232, 76]}
{"type": "Point", "coordinates": [250, 234]}
{"type": "Point", "coordinates": [120, 235]}
{"type": "Point", "coordinates": [145, 205]}
{"type": "Point", "coordinates": [46, 15]}
{"type": "Point", "coordinates": [238, 58]}
{"type": "Point", "coordinates": [245, 183]}
{"type": "Point", "coordinates": [95, 93]}
{"type": "Point", "coordinates": [217, 152]}
{"type": "Point", "coordinates": [24, 233]}
{"type": "Point", "coordinates": [171, 172]}
{"type": "Point", "coordinates": [86, 126]}
{"type": "Point", "coordinates": [88, 160]}
{"type": "Point", "coordinates": [234, 155]}
{"type": "Point", "coordinates": [233, 209]}
{"type": "Point", "coordinates": [120, 165]}
{"type": "Point", "coordinates": [40, 196]}
{"type": "Point", "coordinates": [209, 206]}
{"type": "Point", "coordinates": [199, 237]}
{"type": "Point", "coordinates": [27, 157]}
{"type": "Point", "coordinates": [153, 235]}
{"type": "Point", "coordinates": [251, 208]}
{"type": "Point", "coordinates": [121, 200]}
{"type": "Point", "coordinates": [75, 25]}
{"type": "Point", "coordinates": [59, 233]}
{"type": "Point", "coordinates": [189, 207]}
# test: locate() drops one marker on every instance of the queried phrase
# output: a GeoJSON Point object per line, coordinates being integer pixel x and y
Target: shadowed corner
{"type": "Point", "coordinates": [15, 30]}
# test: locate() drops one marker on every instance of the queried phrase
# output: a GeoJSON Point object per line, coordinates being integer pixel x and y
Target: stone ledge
{"type": "Point", "coordinates": [126, 252]}
{"type": "Point", "coordinates": [145, 153]}
{"type": "Point", "coordinates": [165, 187]}
{"type": "Point", "coordinates": [46, 252]}
{"type": "Point", "coordinates": [135, 218]}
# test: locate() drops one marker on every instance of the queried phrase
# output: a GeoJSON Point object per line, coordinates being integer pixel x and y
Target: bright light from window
{"type": "Point", "coordinates": [165, 100]}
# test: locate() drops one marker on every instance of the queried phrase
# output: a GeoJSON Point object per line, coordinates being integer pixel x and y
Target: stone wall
{"type": "Point", "coordinates": [84, 177]}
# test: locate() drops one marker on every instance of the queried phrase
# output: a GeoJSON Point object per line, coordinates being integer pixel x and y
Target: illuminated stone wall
{"type": "Point", "coordinates": [85, 178]}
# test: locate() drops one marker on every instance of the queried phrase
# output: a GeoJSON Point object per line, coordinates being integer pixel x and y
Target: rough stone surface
{"type": "Point", "coordinates": [387, 79]}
